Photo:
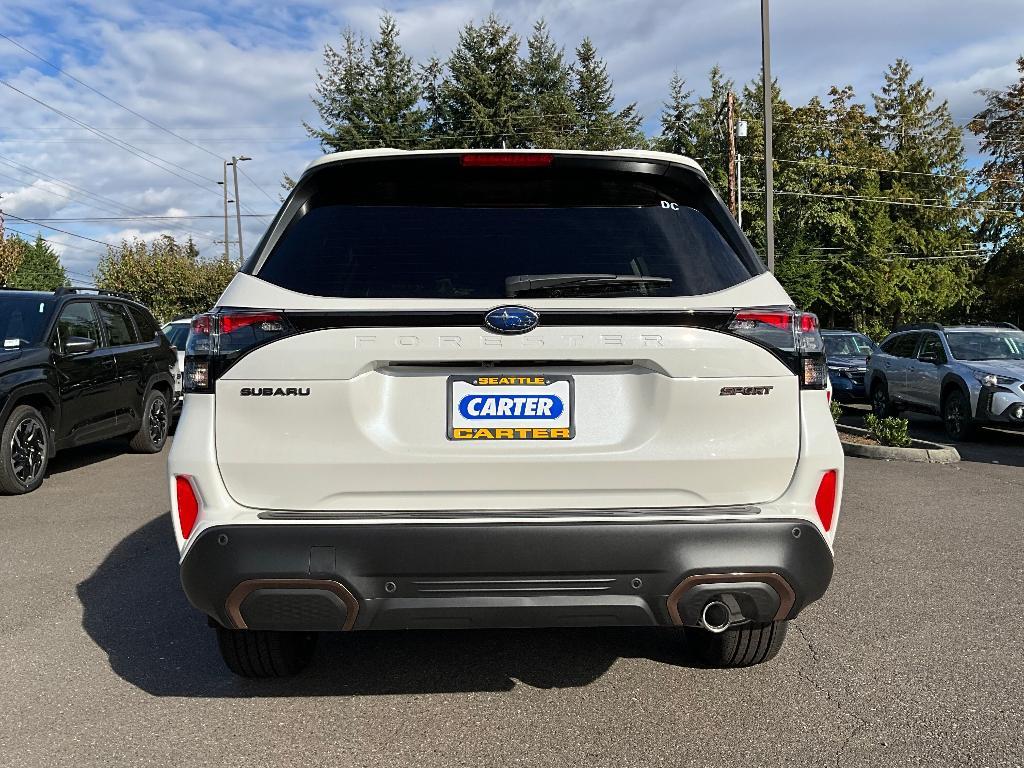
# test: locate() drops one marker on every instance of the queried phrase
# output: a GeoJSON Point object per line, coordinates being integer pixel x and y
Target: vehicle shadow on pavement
{"type": "Point", "coordinates": [86, 455]}
{"type": "Point", "coordinates": [134, 609]}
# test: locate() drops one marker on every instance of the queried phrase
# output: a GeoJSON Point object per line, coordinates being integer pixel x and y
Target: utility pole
{"type": "Point", "coordinates": [730, 128]}
{"type": "Point", "coordinates": [741, 133]}
{"type": "Point", "coordinates": [766, 94]}
{"type": "Point", "coordinates": [224, 184]}
{"type": "Point", "coordinates": [238, 206]}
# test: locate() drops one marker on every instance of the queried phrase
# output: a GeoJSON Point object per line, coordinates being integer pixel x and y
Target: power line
{"type": "Point", "coordinates": [56, 229]}
{"type": "Point", "coordinates": [106, 201]}
{"type": "Point", "coordinates": [261, 189]}
{"type": "Point", "coordinates": [51, 242]}
{"type": "Point", "coordinates": [103, 95]}
{"type": "Point", "coordinates": [121, 144]}
{"type": "Point", "coordinates": [889, 201]}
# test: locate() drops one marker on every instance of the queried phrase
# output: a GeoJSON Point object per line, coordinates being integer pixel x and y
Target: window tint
{"type": "Point", "coordinates": [442, 234]}
{"type": "Point", "coordinates": [117, 323]}
{"type": "Point", "coordinates": [177, 334]}
{"type": "Point", "coordinates": [932, 345]}
{"type": "Point", "coordinates": [23, 319]}
{"type": "Point", "coordinates": [144, 322]}
{"type": "Point", "coordinates": [905, 345]}
{"type": "Point", "coordinates": [78, 319]}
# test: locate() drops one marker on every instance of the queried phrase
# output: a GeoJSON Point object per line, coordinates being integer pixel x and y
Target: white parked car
{"type": "Point", "coordinates": [176, 332]}
{"type": "Point", "coordinates": [503, 389]}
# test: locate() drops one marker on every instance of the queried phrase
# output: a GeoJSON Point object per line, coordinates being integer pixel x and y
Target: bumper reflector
{"type": "Point", "coordinates": [188, 505]}
{"type": "Point", "coordinates": [825, 498]}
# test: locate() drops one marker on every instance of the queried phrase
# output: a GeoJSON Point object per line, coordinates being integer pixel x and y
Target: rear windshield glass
{"type": "Point", "coordinates": [465, 236]}
{"type": "Point", "coordinates": [23, 320]}
{"type": "Point", "coordinates": [986, 345]}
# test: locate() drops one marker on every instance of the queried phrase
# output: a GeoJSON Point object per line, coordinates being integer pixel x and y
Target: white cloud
{"type": "Point", "coordinates": [40, 199]}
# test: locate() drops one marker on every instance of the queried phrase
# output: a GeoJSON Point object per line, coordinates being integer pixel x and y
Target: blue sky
{"type": "Point", "coordinates": [234, 77]}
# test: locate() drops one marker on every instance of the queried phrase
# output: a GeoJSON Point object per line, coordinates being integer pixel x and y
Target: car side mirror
{"type": "Point", "coordinates": [929, 357]}
{"type": "Point", "coordinates": [78, 345]}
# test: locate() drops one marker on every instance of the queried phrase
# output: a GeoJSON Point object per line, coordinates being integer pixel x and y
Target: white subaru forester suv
{"type": "Point", "coordinates": [503, 389]}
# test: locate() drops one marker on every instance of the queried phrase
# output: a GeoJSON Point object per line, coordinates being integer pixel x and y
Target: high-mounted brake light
{"type": "Point", "coordinates": [188, 504]}
{"type": "Point", "coordinates": [506, 160]}
{"type": "Point", "coordinates": [218, 339]}
{"type": "Point", "coordinates": [825, 498]}
{"type": "Point", "coordinates": [792, 336]}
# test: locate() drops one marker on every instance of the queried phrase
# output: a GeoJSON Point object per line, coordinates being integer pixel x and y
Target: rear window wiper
{"type": "Point", "coordinates": [519, 284]}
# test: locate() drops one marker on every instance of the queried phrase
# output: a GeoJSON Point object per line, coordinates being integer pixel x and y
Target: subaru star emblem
{"type": "Point", "coordinates": [511, 320]}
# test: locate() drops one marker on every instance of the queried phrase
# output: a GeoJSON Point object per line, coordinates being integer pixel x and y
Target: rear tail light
{"type": "Point", "coordinates": [825, 498]}
{"type": "Point", "coordinates": [506, 160]}
{"type": "Point", "coordinates": [218, 339]}
{"type": "Point", "coordinates": [792, 336]}
{"type": "Point", "coordinates": [188, 505]}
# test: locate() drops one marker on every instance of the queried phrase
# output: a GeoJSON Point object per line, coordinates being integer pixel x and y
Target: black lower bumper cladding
{"type": "Point", "coordinates": [316, 577]}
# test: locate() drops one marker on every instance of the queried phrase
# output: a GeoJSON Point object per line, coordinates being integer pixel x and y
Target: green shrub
{"type": "Point", "coordinates": [837, 411]}
{"type": "Point", "coordinates": [891, 431]}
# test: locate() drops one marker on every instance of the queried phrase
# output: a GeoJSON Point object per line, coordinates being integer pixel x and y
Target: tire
{"type": "Point", "coordinates": [881, 405]}
{"type": "Point", "coordinates": [264, 653]}
{"type": "Point", "coordinates": [156, 423]}
{"type": "Point", "coordinates": [24, 451]}
{"type": "Point", "coordinates": [741, 646]}
{"type": "Point", "coordinates": [956, 416]}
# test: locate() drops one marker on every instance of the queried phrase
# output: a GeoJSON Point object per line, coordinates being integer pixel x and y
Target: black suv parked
{"type": "Point", "coordinates": [77, 366]}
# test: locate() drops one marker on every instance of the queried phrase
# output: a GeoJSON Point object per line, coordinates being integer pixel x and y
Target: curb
{"type": "Point", "coordinates": [921, 451]}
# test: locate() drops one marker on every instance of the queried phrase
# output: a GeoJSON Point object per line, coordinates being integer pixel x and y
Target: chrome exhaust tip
{"type": "Point", "coordinates": [716, 617]}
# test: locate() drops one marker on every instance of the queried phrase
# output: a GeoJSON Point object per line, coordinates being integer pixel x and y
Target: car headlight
{"type": "Point", "coordinates": [994, 380]}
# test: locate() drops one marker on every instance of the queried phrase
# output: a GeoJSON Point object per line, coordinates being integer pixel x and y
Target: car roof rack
{"type": "Point", "coordinates": [66, 289]}
{"type": "Point", "coordinates": [994, 324]}
{"type": "Point", "coordinates": [920, 327]}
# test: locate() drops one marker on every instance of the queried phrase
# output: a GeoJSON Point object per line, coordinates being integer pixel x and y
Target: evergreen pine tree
{"type": "Point", "coordinates": [341, 95]}
{"type": "Point", "coordinates": [1000, 125]}
{"type": "Point", "coordinates": [481, 103]}
{"type": "Point", "coordinates": [547, 80]}
{"type": "Point", "coordinates": [394, 116]}
{"type": "Point", "coordinates": [600, 127]}
{"type": "Point", "coordinates": [677, 118]}
{"type": "Point", "coordinates": [924, 146]}
{"type": "Point", "coordinates": [40, 268]}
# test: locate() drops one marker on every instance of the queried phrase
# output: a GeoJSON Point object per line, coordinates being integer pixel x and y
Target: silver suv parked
{"type": "Point", "coordinates": [969, 375]}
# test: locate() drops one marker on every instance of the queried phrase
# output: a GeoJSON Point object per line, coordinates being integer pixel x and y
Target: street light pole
{"type": "Point", "coordinates": [769, 201]}
{"type": "Point", "coordinates": [238, 205]}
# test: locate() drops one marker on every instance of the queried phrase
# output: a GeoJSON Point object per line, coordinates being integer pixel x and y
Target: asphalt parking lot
{"type": "Point", "coordinates": [914, 657]}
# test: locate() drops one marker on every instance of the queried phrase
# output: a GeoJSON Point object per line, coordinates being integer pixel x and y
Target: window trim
{"type": "Point", "coordinates": [131, 321]}
{"type": "Point", "coordinates": [55, 330]}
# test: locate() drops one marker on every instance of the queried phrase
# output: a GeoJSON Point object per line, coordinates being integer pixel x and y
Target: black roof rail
{"type": "Point", "coordinates": [65, 289]}
{"type": "Point", "coordinates": [994, 324]}
{"type": "Point", "coordinates": [16, 288]}
{"type": "Point", "coordinates": [920, 327]}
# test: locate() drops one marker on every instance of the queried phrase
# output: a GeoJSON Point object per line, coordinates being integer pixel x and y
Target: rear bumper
{"type": "Point", "coordinates": [323, 577]}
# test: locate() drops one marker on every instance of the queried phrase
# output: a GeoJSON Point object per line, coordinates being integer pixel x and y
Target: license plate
{"type": "Point", "coordinates": [505, 407]}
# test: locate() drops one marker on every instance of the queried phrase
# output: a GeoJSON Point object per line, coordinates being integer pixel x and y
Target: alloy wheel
{"type": "Point", "coordinates": [28, 450]}
{"type": "Point", "coordinates": [954, 416]}
{"type": "Point", "coordinates": [157, 421]}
